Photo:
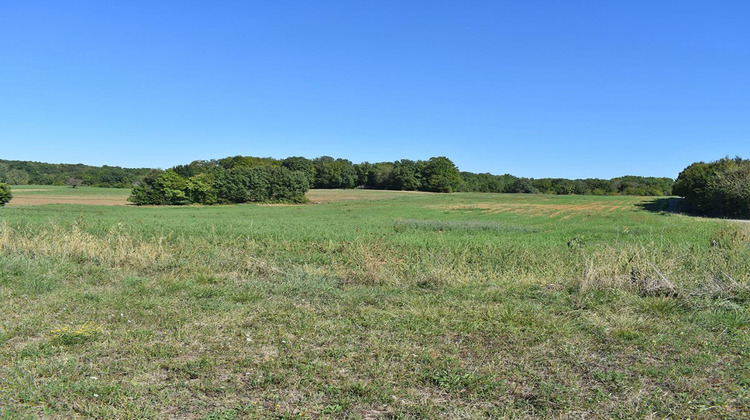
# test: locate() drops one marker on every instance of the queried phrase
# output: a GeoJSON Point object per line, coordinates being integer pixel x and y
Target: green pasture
{"type": "Point", "coordinates": [373, 304]}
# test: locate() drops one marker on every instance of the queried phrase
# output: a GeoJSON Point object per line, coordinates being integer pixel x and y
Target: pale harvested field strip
{"type": "Point", "coordinates": [27, 196]}
{"type": "Point", "coordinates": [38, 200]}
{"type": "Point", "coordinates": [549, 210]}
{"type": "Point", "coordinates": [331, 196]}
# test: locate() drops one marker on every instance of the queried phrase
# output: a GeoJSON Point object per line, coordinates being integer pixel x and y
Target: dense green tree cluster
{"type": "Point", "coordinates": [5, 194]}
{"type": "Point", "coordinates": [437, 174]}
{"type": "Point", "coordinates": [219, 184]}
{"type": "Point", "coordinates": [486, 182]}
{"type": "Point", "coordinates": [306, 166]}
{"type": "Point", "coordinates": [16, 172]}
{"type": "Point", "coordinates": [334, 173]}
{"type": "Point", "coordinates": [241, 179]}
{"type": "Point", "coordinates": [720, 188]}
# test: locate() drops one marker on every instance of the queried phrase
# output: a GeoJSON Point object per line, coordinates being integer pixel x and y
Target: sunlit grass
{"type": "Point", "coordinates": [393, 305]}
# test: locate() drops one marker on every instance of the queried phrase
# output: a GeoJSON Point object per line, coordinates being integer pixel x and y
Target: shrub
{"type": "Point", "coordinates": [720, 188]}
{"type": "Point", "coordinates": [160, 188]}
{"type": "Point", "coordinates": [5, 194]}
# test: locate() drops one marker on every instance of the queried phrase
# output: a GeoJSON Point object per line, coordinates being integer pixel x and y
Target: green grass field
{"type": "Point", "coordinates": [372, 304]}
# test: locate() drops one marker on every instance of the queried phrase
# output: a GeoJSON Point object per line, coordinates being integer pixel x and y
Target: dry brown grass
{"type": "Point", "coordinates": [117, 249]}
{"type": "Point", "coordinates": [40, 200]}
{"type": "Point", "coordinates": [541, 209]}
{"type": "Point", "coordinates": [646, 270]}
{"type": "Point", "coordinates": [121, 249]}
{"type": "Point", "coordinates": [630, 268]}
{"type": "Point", "coordinates": [320, 196]}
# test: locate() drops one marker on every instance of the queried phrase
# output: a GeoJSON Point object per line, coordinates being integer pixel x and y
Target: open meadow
{"type": "Point", "coordinates": [371, 304]}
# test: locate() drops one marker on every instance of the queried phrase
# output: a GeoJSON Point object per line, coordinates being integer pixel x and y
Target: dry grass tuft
{"type": "Point", "coordinates": [648, 270]}
{"type": "Point", "coordinates": [117, 249]}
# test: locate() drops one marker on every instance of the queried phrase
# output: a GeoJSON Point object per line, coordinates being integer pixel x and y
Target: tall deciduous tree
{"type": "Point", "coordinates": [439, 174]}
{"type": "Point", "coordinates": [301, 164]}
{"type": "Point", "coordinates": [334, 173]}
{"type": "Point", "coordinates": [406, 175]}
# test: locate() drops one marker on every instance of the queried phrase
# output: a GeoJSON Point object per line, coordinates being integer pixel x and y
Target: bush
{"type": "Point", "coordinates": [720, 188]}
{"type": "Point", "coordinates": [160, 188]}
{"type": "Point", "coordinates": [5, 194]}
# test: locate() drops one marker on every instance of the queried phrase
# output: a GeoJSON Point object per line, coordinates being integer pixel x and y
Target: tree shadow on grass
{"type": "Point", "coordinates": [663, 205]}
{"type": "Point", "coordinates": [678, 205]}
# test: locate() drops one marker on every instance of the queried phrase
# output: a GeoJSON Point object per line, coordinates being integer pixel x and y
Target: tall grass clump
{"type": "Point", "coordinates": [719, 268]}
{"type": "Point", "coordinates": [122, 247]}
{"type": "Point", "coordinates": [458, 225]}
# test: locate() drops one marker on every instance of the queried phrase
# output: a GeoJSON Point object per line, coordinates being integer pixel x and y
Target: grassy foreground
{"type": "Point", "coordinates": [374, 304]}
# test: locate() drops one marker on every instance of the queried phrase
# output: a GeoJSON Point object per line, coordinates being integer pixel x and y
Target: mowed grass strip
{"type": "Point", "coordinates": [389, 306]}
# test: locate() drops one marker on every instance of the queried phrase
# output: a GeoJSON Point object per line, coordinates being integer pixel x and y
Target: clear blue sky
{"type": "Point", "coordinates": [586, 88]}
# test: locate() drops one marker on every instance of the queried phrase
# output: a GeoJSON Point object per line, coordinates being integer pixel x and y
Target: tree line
{"type": "Point", "coordinates": [239, 179]}
{"type": "Point", "coordinates": [437, 174]}
{"type": "Point", "coordinates": [16, 172]}
{"type": "Point", "coordinates": [720, 188]}
{"type": "Point", "coordinates": [626, 185]}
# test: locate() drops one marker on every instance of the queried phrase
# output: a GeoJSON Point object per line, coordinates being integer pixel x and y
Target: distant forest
{"type": "Point", "coordinates": [17, 172]}
{"type": "Point", "coordinates": [437, 174]}
{"type": "Point", "coordinates": [720, 188]}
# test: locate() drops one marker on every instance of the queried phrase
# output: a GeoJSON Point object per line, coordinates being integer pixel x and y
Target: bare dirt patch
{"type": "Point", "coordinates": [39, 200]}
{"type": "Point", "coordinates": [331, 196]}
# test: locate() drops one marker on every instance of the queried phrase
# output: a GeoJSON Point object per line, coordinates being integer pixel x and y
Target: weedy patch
{"type": "Point", "coordinates": [555, 208]}
{"type": "Point", "coordinates": [648, 270]}
{"type": "Point", "coordinates": [463, 383]}
{"type": "Point", "coordinates": [72, 335]}
{"type": "Point", "coordinates": [454, 225]}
